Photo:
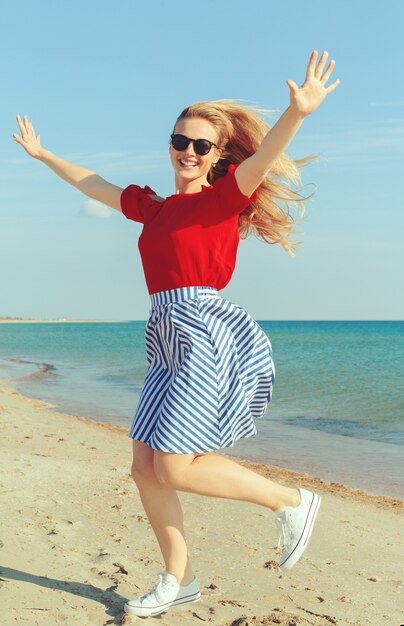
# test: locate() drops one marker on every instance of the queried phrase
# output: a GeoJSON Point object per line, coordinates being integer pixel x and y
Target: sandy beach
{"type": "Point", "coordinates": [75, 542]}
{"type": "Point", "coordinates": [56, 321]}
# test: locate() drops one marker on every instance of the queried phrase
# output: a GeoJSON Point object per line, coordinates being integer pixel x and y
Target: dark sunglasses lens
{"type": "Point", "coordinates": [202, 146]}
{"type": "Point", "coordinates": [179, 142]}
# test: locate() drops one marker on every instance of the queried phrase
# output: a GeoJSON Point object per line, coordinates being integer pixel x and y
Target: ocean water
{"type": "Point", "coordinates": [337, 410]}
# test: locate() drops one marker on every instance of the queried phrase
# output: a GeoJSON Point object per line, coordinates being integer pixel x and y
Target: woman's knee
{"type": "Point", "coordinates": [171, 469]}
{"type": "Point", "coordinates": [142, 469]}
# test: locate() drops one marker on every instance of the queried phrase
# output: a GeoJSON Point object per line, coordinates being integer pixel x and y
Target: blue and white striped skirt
{"type": "Point", "coordinates": [210, 373]}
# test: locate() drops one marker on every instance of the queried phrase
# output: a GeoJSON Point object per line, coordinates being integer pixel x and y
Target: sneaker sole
{"type": "Point", "coordinates": [144, 612]}
{"type": "Point", "coordinates": [301, 545]}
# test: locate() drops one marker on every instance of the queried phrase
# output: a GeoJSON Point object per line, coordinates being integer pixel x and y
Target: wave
{"type": "Point", "coordinates": [348, 428]}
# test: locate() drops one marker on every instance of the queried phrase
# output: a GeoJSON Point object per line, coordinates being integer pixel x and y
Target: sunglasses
{"type": "Point", "coordinates": [201, 146]}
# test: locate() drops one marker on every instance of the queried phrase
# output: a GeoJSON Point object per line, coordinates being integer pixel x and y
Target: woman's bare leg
{"type": "Point", "coordinates": [214, 475]}
{"type": "Point", "coordinates": [164, 511]}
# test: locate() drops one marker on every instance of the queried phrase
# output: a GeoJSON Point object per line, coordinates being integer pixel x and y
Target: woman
{"type": "Point", "coordinates": [210, 371]}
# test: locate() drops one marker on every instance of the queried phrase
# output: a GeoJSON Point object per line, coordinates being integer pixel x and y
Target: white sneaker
{"type": "Point", "coordinates": [165, 593]}
{"type": "Point", "coordinates": [295, 525]}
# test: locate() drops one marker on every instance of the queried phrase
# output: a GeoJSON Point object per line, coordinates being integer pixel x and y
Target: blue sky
{"type": "Point", "coordinates": [103, 83]}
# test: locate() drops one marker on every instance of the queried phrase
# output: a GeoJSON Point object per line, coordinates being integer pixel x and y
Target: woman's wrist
{"type": "Point", "coordinates": [43, 154]}
{"type": "Point", "coordinates": [295, 115]}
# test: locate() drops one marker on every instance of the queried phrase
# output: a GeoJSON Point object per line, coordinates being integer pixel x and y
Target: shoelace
{"type": "Point", "coordinates": [283, 528]}
{"type": "Point", "coordinates": [153, 591]}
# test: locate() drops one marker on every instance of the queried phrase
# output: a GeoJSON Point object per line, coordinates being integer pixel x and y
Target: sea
{"type": "Point", "coordinates": [337, 410]}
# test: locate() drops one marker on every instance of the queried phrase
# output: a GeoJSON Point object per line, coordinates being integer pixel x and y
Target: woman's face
{"type": "Point", "coordinates": [186, 163]}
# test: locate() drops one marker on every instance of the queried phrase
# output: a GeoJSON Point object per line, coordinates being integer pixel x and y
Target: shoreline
{"type": "Point", "coordinates": [76, 543]}
{"type": "Point", "coordinates": [339, 467]}
{"type": "Point", "coordinates": [275, 472]}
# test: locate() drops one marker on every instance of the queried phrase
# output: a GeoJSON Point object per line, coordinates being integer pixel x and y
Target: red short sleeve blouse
{"type": "Point", "coordinates": [189, 238]}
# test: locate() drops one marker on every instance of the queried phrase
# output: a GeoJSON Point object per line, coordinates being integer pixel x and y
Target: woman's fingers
{"type": "Point", "coordinates": [328, 71]}
{"type": "Point", "coordinates": [320, 66]}
{"type": "Point", "coordinates": [292, 85]}
{"type": "Point", "coordinates": [22, 143]}
{"type": "Point", "coordinates": [312, 64]}
{"type": "Point", "coordinates": [28, 140]}
{"type": "Point", "coordinates": [26, 127]}
{"type": "Point", "coordinates": [20, 124]}
{"type": "Point", "coordinates": [26, 124]}
{"type": "Point", "coordinates": [333, 86]}
{"type": "Point", "coordinates": [317, 72]}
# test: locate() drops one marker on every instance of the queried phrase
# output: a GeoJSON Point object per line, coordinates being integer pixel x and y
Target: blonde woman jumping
{"type": "Point", "coordinates": [210, 371]}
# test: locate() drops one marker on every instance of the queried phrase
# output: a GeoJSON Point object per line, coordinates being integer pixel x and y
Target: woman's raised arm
{"type": "Point", "coordinates": [86, 181]}
{"type": "Point", "coordinates": [303, 101]}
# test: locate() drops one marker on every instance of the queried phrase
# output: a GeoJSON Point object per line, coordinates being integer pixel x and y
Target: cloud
{"type": "Point", "coordinates": [27, 160]}
{"type": "Point", "coordinates": [94, 156]}
{"type": "Point", "coordinates": [114, 162]}
{"type": "Point", "coordinates": [122, 162]}
{"type": "Point", "coordinates": [379, 141]}
{"type": "Point", "coordinates": [93, 208]}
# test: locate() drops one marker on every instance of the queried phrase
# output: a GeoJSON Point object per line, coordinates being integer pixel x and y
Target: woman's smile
{"type": "Point", "coordinates": [187, 163]}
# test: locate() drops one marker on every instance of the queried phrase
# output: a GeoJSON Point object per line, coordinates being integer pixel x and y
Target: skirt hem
{"type": "Point", "coordinates": [247, 436]}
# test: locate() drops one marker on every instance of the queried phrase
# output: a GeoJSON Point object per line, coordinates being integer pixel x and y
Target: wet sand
{"type": "Point", "coordinates": [75, 542]}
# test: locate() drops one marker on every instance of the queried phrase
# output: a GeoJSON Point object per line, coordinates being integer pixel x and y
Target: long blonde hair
{"type": "Point", "coordinates": [241, 131]}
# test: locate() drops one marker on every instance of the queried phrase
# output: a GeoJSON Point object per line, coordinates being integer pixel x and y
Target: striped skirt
{"type": "Point", "coordinates": [210, 373]}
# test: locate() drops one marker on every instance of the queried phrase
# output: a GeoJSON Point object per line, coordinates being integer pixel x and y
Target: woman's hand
{"type": "Point", "coordinates": [307, 98]}
{"type": "Point", "coordinates": [28, 140]}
